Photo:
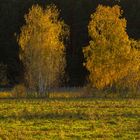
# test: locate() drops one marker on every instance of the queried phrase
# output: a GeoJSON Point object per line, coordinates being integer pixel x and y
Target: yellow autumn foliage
{"type": "Point", "coordinates": [42, 47]}
{"type": "Point", "coordinates": [109, 56]}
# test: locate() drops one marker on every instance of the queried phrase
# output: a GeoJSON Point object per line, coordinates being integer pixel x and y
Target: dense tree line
{"type": "Point", "coordinates": [76, 14]}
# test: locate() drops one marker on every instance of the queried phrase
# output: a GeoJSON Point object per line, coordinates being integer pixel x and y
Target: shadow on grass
{"type": "Point", "coordinates": [66, 115]}
{"type": "Point", "coordinates": [30, 116]}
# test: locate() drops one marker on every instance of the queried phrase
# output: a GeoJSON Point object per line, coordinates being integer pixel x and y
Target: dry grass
{"type": "Point", "coordinates": [67, 93]}
{"type": "Point", "coordinates": [5, 94]}
{"type": "Point", "coordinates": [19, 91]}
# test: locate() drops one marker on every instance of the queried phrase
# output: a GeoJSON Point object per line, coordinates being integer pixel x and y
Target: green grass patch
{"type": "Point", "coordinates": [70, 119]}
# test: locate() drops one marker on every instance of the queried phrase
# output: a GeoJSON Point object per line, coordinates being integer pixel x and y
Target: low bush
{"type": "Point", "coordinates": [19, 91]}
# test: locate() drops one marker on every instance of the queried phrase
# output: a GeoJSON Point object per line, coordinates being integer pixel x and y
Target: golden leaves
{"type": "Point", "coordinates": [109, 56]}
{"type": "Point", "coordinates": [42, 46]}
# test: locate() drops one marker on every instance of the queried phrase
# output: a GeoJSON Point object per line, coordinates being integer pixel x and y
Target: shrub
{"type": "Point", "coordinates": [19, 91]}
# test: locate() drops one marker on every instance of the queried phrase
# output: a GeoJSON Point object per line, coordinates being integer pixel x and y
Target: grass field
{"type": "Point", "coordinates": [72, 119]}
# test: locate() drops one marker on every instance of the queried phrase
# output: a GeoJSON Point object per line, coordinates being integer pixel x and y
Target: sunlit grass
{"type": "Point", "coordinates": [69, 119]}
{"type": "Point", "coordinates": [5, 94]}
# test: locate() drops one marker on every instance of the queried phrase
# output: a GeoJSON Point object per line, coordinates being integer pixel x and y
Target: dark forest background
{"type": "Point", "coordinates": [75, 13]}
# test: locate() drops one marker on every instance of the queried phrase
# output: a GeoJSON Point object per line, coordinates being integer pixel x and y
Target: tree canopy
{"type": "Point", "coordinates": [76, 14]}
{"type": "Point", "coordinates": [42, 48]}
{"type": "Point", "coordinates": [109, 56]}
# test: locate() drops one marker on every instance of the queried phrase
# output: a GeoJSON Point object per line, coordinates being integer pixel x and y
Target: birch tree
{"type": "Point", "coordinates": [42, 48]}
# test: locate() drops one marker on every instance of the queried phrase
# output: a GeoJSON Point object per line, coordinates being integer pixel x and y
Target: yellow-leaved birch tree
{"type": "Point", "coordinates": [42, 48]}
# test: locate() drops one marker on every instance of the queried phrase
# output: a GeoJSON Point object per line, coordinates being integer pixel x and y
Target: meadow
{"type": "Point", "coordinates": [69, 119]}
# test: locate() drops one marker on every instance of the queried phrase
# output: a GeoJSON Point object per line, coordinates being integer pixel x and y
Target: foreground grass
{"type": "Point", "coordinates": [71, 119]}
